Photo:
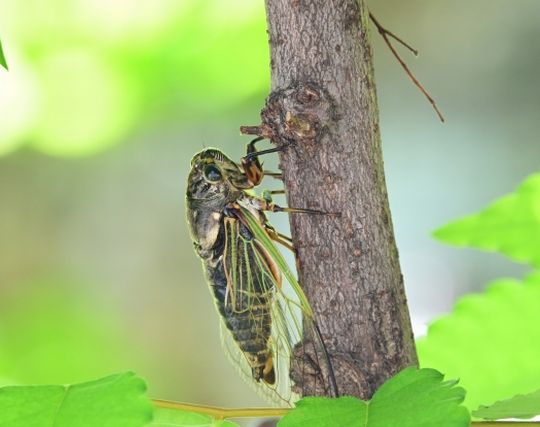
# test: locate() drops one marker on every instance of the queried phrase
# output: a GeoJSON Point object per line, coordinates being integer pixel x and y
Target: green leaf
{"type": "Point", "coordinates": [3, 62]}
{"type": "Point", "coordinates": [520, 406]}
{"type": "Point", "coordinates": [511, 225]}
{"type": "Point", "coordinates": [164, 417]}
{"type": "Point", "coordinates": [114, 401]}
{"type": "Point", "coordinates": [490, 341]}
{"type": "Point", "coordinates": [412, 398]}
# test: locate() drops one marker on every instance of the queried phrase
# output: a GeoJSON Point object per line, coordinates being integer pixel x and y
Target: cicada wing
{"type": "Point", "coordinates": [310, 372]}
{"type": "Point", "coordinates": [254, 268]}
{"type": "Point", "coordinates": [254, 334]}
{"type": "Point", "coordinates": [297, 364]}
{"type": "Point", "coordinates": [311, 368]}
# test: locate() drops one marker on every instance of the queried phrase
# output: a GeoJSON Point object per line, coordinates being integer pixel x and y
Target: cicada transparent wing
{"type": "Point", "coordinates": [269, 314]}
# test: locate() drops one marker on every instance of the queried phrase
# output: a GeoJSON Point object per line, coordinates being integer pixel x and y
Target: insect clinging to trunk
{"type": "Point", "coordinates": [263, 323]}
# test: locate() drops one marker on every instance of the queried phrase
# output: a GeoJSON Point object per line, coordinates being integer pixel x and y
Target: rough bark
{"type": "Point", "coordinates": [323, 111]}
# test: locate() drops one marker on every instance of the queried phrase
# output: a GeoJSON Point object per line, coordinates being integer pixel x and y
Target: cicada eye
{"type": "Point", "coordinates": [212, 173]}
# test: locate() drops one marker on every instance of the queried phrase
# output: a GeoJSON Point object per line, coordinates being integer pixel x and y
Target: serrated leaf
{"type": "Point", "coordinates": [520, 406]}
{"type": "Point", "coordinates": [114, 401]}
{"type": "Point", "coordinates": [3, 62]}
{"type": "Point", "coordinates": [490, 341]}
{"type": "Point", "coordinates": [164, 417]}
{"type": "Point", "coordinates": [412, 398]}
{"type": "Point", "coordinates": [511, 225]}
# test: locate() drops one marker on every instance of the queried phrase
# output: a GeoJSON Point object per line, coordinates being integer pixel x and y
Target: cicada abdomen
{"type": "Point", "coordinates": [263, 325]}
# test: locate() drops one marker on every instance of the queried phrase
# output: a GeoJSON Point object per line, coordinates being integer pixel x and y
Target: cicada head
{"type": "Point", "coordinates": [214, 180]}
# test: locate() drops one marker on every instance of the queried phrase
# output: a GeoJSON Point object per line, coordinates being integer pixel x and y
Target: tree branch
{"type": "Point", "coordinates": [323, 112]}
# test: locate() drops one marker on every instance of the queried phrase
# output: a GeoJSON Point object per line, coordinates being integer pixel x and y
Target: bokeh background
{"type": "Point", "coordinates": [105, 103]}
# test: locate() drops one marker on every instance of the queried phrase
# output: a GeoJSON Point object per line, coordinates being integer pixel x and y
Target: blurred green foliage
{"type": "Point", "coordinates": [50, 333]}
{"type": "Point", "coordinates": [491, 341]}
{"type": "Point", "coordinates": [511, 225]}
{"type": "Point", "coordinates": [3, 62]}
{"type": "Point", "coordinates": [520, 406]}
{"type": "Point", "coordinates": [86, 73]}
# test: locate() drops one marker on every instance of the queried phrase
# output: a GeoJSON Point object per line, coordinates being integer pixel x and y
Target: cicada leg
{"type": "Point", "coordinates": [267, 194]}
{"type": "Point", "coordinates": [275, 175]}
{"type": "Point", "coordinates": [252, 165]}
{"type": "Point", "coordinates": [272, 207]}
{"type": "Point", "coordinates": [267, 204]}
{"type": "Point", "coordinates": [277, 237]}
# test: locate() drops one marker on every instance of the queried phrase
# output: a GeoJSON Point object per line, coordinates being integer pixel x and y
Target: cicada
{"type": "Point", "coordinates": [263, 319]}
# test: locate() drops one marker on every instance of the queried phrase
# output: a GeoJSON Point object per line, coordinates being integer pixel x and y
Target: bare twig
{"type": "Point", "coordinates": [386, 35]}
{"type": "Point", "coordinates": [391, 34]}
{"type": "Point", "coordinates": [260, 131]}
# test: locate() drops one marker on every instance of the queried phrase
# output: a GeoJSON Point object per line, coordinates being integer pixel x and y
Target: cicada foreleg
{"type": "Point", "coordinates": [252, 165]}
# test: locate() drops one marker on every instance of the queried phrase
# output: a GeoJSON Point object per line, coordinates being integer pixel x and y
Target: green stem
{"type": "Point", "coordinates": [222, 413]}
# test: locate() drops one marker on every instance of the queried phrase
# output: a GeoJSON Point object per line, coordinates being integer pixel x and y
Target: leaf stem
{"type": "Point", "coordinates": [222, 413]}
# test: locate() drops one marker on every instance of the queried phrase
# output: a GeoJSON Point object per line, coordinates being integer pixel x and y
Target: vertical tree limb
{"type": "Point", "coordinates": [323, 111]}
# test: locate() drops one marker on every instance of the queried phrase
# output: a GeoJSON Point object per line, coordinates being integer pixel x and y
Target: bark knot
{"type": "Point", "coordinates": [299, 114]}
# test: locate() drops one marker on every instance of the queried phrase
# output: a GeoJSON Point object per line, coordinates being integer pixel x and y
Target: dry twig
{"type": "Point", "coordinates": [386, 35]}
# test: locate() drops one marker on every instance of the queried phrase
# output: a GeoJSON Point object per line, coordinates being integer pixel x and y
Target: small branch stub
{"type": "Point", "coordinates": [295, 115]}
{"type": "Point", "coordinates": [260, 131]}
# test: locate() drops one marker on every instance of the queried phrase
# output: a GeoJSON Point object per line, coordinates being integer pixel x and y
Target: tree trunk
{"type": "Point", "coordinates": [323, 112]}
